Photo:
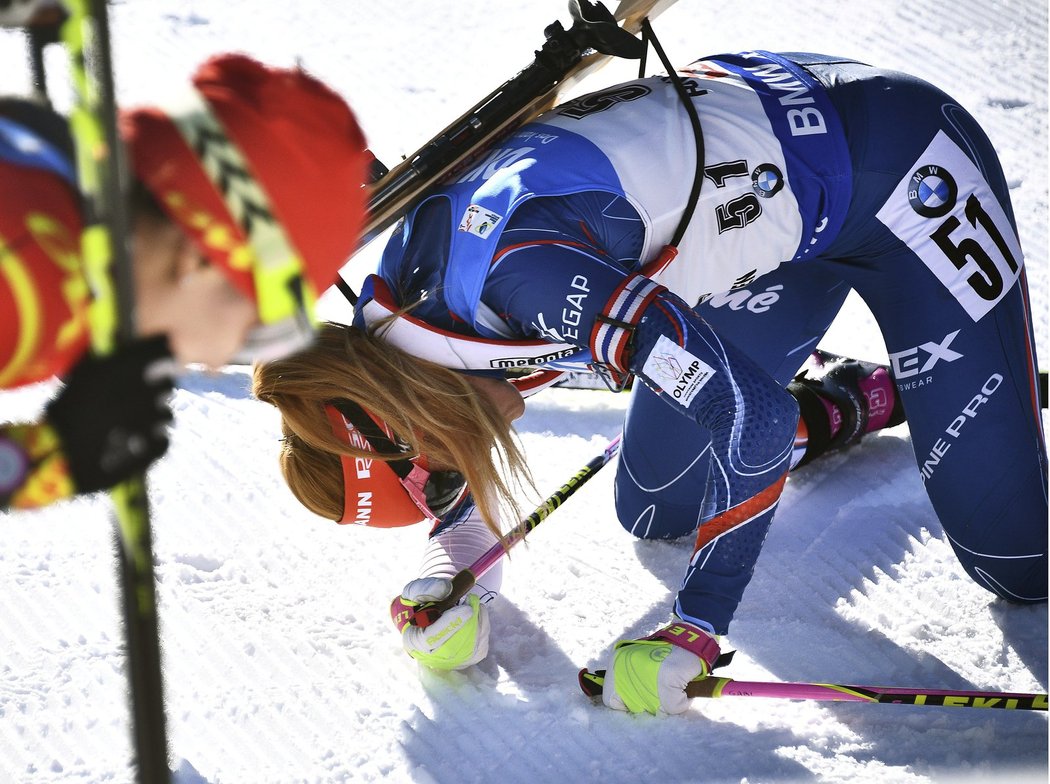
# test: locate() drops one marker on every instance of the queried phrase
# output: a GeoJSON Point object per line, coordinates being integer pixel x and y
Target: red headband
{"type": "Point", "coordinates": [374, 493]}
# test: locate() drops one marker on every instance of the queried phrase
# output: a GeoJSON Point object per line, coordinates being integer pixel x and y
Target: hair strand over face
{"type": "Point", "coordinates": [431, 408]}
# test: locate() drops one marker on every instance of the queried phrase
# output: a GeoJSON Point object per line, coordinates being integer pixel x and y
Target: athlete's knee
{"type": "Point", "coordinates": [1000, 536]}
{"type": "Point", "coordinates": [1016, 586]}
{"type": "Point", "coordinates": [660, 496]}
{"type": "Point", "coordinates": [1016, 577]}
{"type": "Point", "coordinates": [644, 515]}
{"type": "Point", "coordinates": [1031, 584]}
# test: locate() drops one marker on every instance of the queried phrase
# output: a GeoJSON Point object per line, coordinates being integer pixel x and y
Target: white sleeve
{"type": "Point", "coordinates": [457, 547]}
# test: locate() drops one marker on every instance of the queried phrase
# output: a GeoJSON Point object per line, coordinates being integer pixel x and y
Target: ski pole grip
{"type": "Point", "coordinates": [427, 613]}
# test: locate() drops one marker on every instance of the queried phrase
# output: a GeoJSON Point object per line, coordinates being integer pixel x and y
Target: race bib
{"type": "Point", "coordinates": [946, 213]}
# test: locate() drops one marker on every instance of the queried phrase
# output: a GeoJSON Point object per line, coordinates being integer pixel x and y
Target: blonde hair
{"type": "Point", "coordinates": [431, 408]}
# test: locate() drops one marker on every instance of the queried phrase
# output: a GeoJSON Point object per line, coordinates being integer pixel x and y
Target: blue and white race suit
{"type": "Point", "coordinates": [819, 176]}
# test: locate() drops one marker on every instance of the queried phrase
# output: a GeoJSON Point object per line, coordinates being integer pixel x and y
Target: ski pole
{"type": "Point", "coordinates": [107, 262]}
{"type": "Point", "coordinates": [465, 579]}
{"type": "Point", "coordinates": [714, 687]}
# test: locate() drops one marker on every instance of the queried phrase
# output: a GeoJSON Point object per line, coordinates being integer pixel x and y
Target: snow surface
{"type": "Point", "coordinates": [280, 661]}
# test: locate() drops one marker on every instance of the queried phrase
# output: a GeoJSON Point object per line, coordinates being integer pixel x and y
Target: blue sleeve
{"type": "Point", "coordinates": [553, 252]}
{"type": "Point", "coordinates": [551, 289]}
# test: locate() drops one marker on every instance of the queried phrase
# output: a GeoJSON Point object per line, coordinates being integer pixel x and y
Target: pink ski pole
{"type": "Point", "coordinates": [464, 579]}
{"type": "Point", "coordinates": [593, 682]}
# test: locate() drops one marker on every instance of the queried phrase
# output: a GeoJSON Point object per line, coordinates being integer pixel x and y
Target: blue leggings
{"type": "Point", "coordinates": [963, 358]}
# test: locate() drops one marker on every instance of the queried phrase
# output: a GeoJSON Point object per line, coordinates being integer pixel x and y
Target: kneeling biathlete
{"type": "Point", "coordinates": [818, 175]}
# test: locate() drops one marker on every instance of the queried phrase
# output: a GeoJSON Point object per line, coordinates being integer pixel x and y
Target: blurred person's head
{"type": "Point", "coordinates": [248, 199]}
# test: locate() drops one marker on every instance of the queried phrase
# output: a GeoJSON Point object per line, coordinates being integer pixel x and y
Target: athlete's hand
{"type": "Point", "coordinates": [112, 416]}
{"type": "Point", "coordinates": [651, 674]}
{"type": "Point", "coordinates": [457, 639]}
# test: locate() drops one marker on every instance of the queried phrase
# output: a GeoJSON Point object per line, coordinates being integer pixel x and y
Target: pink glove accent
{"type": "Point", "coordinates": [692, 638]}
{"type": "Point", "coordinates": [401, 612]}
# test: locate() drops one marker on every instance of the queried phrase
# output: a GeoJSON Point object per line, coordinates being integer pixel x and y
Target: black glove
{"type": "Point", "coordinates": [112, 415]}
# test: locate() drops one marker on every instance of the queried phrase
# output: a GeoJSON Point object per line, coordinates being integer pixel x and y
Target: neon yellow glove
{"type": "Point", "coordinates": [458, 639]}
{"type": "Point", "coordinates": [651, 674]}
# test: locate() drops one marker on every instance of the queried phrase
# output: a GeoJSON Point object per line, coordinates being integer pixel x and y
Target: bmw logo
{"type": "Point", "coordinates": [932, 191]}
{"type": "Point", "coordinates": [766, 180]}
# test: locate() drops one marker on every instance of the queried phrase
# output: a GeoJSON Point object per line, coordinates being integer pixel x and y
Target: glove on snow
{"type": "Point", "coordinates": [112, 416]}
{"type": "Point", "coordinates": [651, 674]}
{"type": "Point", "coordinates": [458, 639]}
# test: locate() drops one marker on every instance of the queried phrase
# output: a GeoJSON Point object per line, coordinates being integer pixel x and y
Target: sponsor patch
{"type": "Point", "coordinates": [676, 371]}
{"type": "Point", "coordinates": [767, 180]}
{"type": "Point", "coordinates": [905, 364]}
{"type": "Point", "coordinates": [932, 191]}
{"type": "Point", "coordinates": [954, 430]}
{"type": "Point", "coordinates": [536, 361]}
{"type": "Point", "coordinates": [479, 221]}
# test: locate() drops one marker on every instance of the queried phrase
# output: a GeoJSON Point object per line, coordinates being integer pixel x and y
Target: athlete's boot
{"type": "Point", "coordinates": [841, 399]}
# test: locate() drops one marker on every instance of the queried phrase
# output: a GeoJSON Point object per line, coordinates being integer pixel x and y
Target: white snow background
{"type": "Point", "coordinates": [280, 660]}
